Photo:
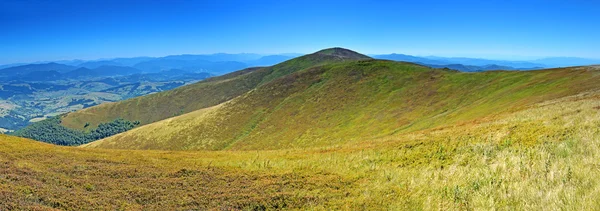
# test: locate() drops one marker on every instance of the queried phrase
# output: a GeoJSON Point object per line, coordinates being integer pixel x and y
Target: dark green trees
{"type": "Point", "coordinates": [51, 131]}
{"type": "Point", "coordinates": [108, 129]}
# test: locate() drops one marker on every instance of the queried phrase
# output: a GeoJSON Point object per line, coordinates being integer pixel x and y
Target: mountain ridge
{"type": "Point", "coordinates": [28, 68]}
{"type": "Point", "coordinates": [212, 92]}
{"type": "Point", "coordinates": [329, 134]}
{"type": "Point", "coordinates": [353, 100]}
{"type": "Point", "coordinates": [311, 71]}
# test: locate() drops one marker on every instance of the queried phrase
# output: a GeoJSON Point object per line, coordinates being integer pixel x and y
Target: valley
{"type": "Point", "coordinates": [25, 101]}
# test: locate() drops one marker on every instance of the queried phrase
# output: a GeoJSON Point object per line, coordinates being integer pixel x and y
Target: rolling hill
{"type": "Point", "coordinates": [203, 94]}
{"type": "Point", "coordinates": [351, 101]}
{"type": "Point", "coordinates": [334, 130]}
{"type": "Point", "coordinates": [544, 155]}
{"type": "Point", "coordinates": [333, 96]}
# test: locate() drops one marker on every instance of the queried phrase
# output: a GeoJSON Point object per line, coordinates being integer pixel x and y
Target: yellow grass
{"type": "Point", "coordinates": [544, 157]}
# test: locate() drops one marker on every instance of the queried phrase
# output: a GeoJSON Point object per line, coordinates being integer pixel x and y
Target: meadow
{"type": "Point", "coordinates": [542, 156]}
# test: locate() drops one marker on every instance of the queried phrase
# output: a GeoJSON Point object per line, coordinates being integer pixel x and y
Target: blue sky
{"type": "Point", "coordinates": [54, 30]}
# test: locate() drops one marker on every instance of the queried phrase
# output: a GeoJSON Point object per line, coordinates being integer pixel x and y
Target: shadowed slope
{"type": "Point", "coordinates": [211, 92]}
{"type": "Point", "coordinates": [353, 101]}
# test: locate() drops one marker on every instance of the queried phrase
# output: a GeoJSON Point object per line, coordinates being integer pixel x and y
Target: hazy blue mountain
{"type": "Point", "coordinates": [567, 61]}
{"type": "Point", "coordinates": [109, 70]}
{"type": "Point", "coordinates": [96, 64]}
{"type": "Point", "coordinates": [102, 71]}
{"type": "Point", "coordinates": [222, 63]}
{"type": "Point", "coordinates": [39, 76]}
{"type": "Point", "coordinates": [269, 60]}
{"type": "Point", "coordinates": [473, 68]}
{"type": "Point", "coordinates": [73, 62]}
{"type": "Point", "coordinates": [215, 64]}
{"type": "Point", "coordinates": [483, 62]}
{"type": "Point", "coordinates": [217, 68]}
{"type": "Point", "coordinates": [532, 64]}
{"type": "Point", "coordinates": [131, 61]}
{"type": "Point", "coordinates": [409, 58]}
{"type": "Point", "coordinates": [218, 57]}
{"type": "Point", "coordinates": [463, 64]}
{"type": "Point", "coordinates": [173, 74]}
{"type": "Point", "coordinates": [11, 65]}
{"type": "Point", "coordinates": [293, 55]}
{"type": "Point", "coordinates": [81, 72]}
{"type": "Point", "coordinates": [26, 69]}
{"type": "Point", "coordinates": [219, 63]}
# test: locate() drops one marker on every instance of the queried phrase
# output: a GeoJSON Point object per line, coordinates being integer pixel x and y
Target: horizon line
{"type": "Point", "coordinates": [532, 58]}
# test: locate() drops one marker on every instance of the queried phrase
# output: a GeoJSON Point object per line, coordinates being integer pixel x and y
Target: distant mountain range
{"type": "Point", "coordinates": [29, 68]}
{"type": "Point", "coordinates": [462, 64]}
{"type": "Point", "coordinates": [567, 61]}
{"type": "Point", "coordinates": [222, 63]}
{"type": "Point", "coordinates": [477, 65]}
{"type": "Point", "coordinates": [214, 64]}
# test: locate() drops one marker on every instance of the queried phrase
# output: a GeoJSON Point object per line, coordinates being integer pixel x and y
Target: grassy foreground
{"type": "Point", "coordinates": [544, 156]}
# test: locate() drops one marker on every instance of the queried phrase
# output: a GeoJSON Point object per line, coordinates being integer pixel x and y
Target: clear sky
{"type": "Point", "coordinates": [46, 30]}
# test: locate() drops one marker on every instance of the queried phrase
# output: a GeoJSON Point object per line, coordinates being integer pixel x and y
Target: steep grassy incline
{"type": "Point", "coordinates": [211, 92]}
{"type": "Point", "coordinates": [353, 101]}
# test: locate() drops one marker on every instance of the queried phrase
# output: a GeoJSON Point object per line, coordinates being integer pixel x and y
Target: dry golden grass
{"type": "Point", "coordinates": [35, 176]}
{"type": "Point", "coordinates": [542, 157]}
{"type": "Point", "coordinates": [357, 135]}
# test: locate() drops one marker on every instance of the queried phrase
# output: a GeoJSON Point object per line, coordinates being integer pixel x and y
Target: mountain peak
{"type": "Point", "coordinates": [342, 52]}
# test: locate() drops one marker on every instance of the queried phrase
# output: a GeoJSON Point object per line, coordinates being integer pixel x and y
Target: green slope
{"type": "Point", "coordinates": [155, 107]}
{"type": "Point", "coordinates": [379, 135]}
{"type": "Point", "coordinates": [353, 101]}
{"type": "Point", "coordinates": [159, 106]}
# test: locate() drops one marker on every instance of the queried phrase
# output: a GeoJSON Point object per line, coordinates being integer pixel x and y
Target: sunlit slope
{"type": "Point", "coordinates": [38, 176]}
{"type": "Point", "coordinates": [353, 101]}
{"type": "Point", "coordinates": [211, 92]}
{"type": "Point", "coordinates": [544, 156]}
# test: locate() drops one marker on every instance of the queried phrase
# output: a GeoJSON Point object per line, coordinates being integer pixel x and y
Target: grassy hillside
{"type": "Point", "coordinates": [332, 130]}
{"type": "Point", "coordinates": [541, 157]}
{"type": "Point", "coordinates": [155, 107]}
{"type": "Point", "coordinates": [353, 101]}
{"type": "Point", "coordinates": [36, 176]}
